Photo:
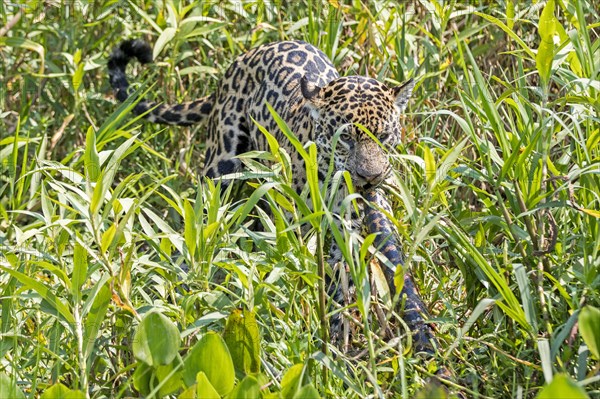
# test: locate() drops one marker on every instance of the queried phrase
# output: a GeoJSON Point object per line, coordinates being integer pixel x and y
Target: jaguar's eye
{"type": "Point", "coordinates": [384, 137]}
{"type": "Point", "coordinates": [346, 137]}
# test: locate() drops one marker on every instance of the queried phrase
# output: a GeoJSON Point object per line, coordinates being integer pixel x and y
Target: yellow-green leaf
{"type": "Point", "coordinates": [141, 378]}
{"type": "Point", "coordinates": [562, 386]}
{"type": "Point", "coordinates": [248, 388]}
{"type": "Point", "coordinates": [95, 316]}
{"type": "Point", "coordinates": [190, 393]}
{"type": "Point", "coordinates": [156, 341]}
{"type": "Point", "coordinates": [211, 356]}
{"type": "Point", "coordinates": [430, 172]}
{"type": "Point", "coordinates": [204, 388]}
{"type": "Point", "coordinates": [190, 228]}
{"type": "Point", "coordinates": [90, 157]}
{"type": "Point", "coordinates": [291, 380]}
{"type": "Point", "coordinates": [546, 26]}
{"type": "Point", "coordinates": [165, 37]}
{"type": "Point", "coordinates": [589, 326]}
{"type": "Point", "coordinates": [9, 388]}
{"type": "Point", "coordinates": [545, 53]}
{"type": "Point", "coordinates": [59, 391]}
{"type": "Point", "coordinates": [78, 77]}
{"type": "Point", "coordinates": [169, 377]}
{"type": "Point", "coordinates": [307, 392]}
{"type": "Point", "coordinates": [510, 14]}
{"type": "Point", "coordinates": [80, 267]}
{"type": "Point", "coordinates": [107, 237]}
{"type": "Point", "coordinates": [243, 340]}
{"type": "Point", "coordinates": [432, 390]}
{"type": "Point", "coordinates": [591, 212]}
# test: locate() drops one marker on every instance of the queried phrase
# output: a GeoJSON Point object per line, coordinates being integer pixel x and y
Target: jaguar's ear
{"type": "Point", "coordinates": [312, 93]}
{"type": "Point", "coordinates": [310, 90]}
{"type": "Point", "coordinates": [402, 93]}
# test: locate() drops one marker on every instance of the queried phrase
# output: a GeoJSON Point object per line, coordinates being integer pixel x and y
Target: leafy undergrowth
{"type": "Point", "coordinates": [122, 270]}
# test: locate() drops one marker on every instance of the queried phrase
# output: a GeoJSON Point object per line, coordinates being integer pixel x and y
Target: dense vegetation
{"type": "Point", "coordinates": [496, 196]}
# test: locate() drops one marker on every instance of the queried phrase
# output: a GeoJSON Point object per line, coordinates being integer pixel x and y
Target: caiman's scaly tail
{"type": "Point", "coordinates": [183, 114]}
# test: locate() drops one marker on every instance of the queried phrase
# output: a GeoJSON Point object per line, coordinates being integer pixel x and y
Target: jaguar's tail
{"type": "Point", "coordinates": [177, 114]}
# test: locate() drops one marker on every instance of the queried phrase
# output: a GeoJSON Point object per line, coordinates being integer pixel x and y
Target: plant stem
{"type": "Point", "coordinates": [82, 356]}
{"type": "Point", "coordinates": [322, 302]}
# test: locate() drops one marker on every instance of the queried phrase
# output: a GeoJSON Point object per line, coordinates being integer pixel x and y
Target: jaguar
{"type": "Point", "coordinates": [353, 120]}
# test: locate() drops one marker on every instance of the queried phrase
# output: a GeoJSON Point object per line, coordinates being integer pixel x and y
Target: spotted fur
{"type": "Point", "coordinates": [302, 85]}
{"type": "Point", "coordinates": [304, 88]}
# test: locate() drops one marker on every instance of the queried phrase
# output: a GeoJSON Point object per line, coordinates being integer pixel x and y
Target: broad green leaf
{"type": "Point", "coordinates": [97, 196]}
{"type": "Point", "coordinates": [78, 77]}
{"type": "Point", "coordinates": [271, 141]}
{"type": "Point", "coordinates": [59, 391]}
{"type": "Point", "coordinates": [248, 388]}
{"type": "Point", "coordinates": [191, 230]}
{"type": "Point", "coordinates": [448, 161]}
{"type": "Point", "coordinates": [106, 178]}
{"type": "Point", "coordinates": [95, 316]}
{"type": "Point", "coordinates": [44, 292]}
{"type": "Point", "coordinates": [80, 267]}
{"type": "Point", "coordinates": [91, 159]}
{"type": "Point", "coordinates": [169, 377]}
{"type": "Point", "coordinates": [142, 377]}
{"type": "Point", "coordinates": [510, 14]}
{"type": "Point", "coordinates": [307, 392]}
{"type": "Point", "coordinates": [204, 388]}
{"type": "Point", "coordinates": [211, 356]}
{"type": "Point", "coordinates": [544, 57]}
{"type": "Point", "coordinates": [562, 386]}
{"type": "Point", "coordinates": [429, 165]}
{"type": "Point", "coordinates": [107, 237]}
{"type": "Point", "coordinates": [156, 340]}
{"type": "Point", "coordinates": [546, 25]}
{"type": "Point", "coordinates": [9, 388]}
{"type": "Point", "coordinates": [364, 249]}
{"type": "Point", "coordinates": [381, 283]}
{"type": "Point", "coordinates": [432, 390]}
{"type": "Point", "coordinates": [243, 340]}
{"type": "Point", "coordinates": [164, 38]}
{"type": "Point", "coordinates": [190, 393]}
{"type": "Point", "coordinates": [589, 326]}
{"type": "Point", "coordinates": [290, 383]}
{"type": "Point", "coordinates": [545, 52]}
{"type": "Point", "coordinates": [591, 212]}
{"type": "Point", "coordinates": [77, 57]}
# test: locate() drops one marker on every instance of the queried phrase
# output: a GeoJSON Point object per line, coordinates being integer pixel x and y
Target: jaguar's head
{"type": "Point", "coordinates": [356, 119]}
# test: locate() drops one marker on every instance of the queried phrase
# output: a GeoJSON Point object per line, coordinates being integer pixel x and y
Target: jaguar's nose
{"type": "Point", "coordinates": [371, 163]}
{"type": "Point", "coordinates": [370, 176]}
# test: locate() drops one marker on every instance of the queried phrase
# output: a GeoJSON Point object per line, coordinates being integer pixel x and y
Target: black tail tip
{"type": "Point", "coordinates": [137, 48]}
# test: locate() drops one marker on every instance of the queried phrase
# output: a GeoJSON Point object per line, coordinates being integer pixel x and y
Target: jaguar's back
{"type": "Point", "coordinates": [304, 88]}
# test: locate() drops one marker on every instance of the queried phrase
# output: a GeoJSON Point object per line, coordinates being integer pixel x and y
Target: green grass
{"type": "Point", "coordinates": [496, 195]}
